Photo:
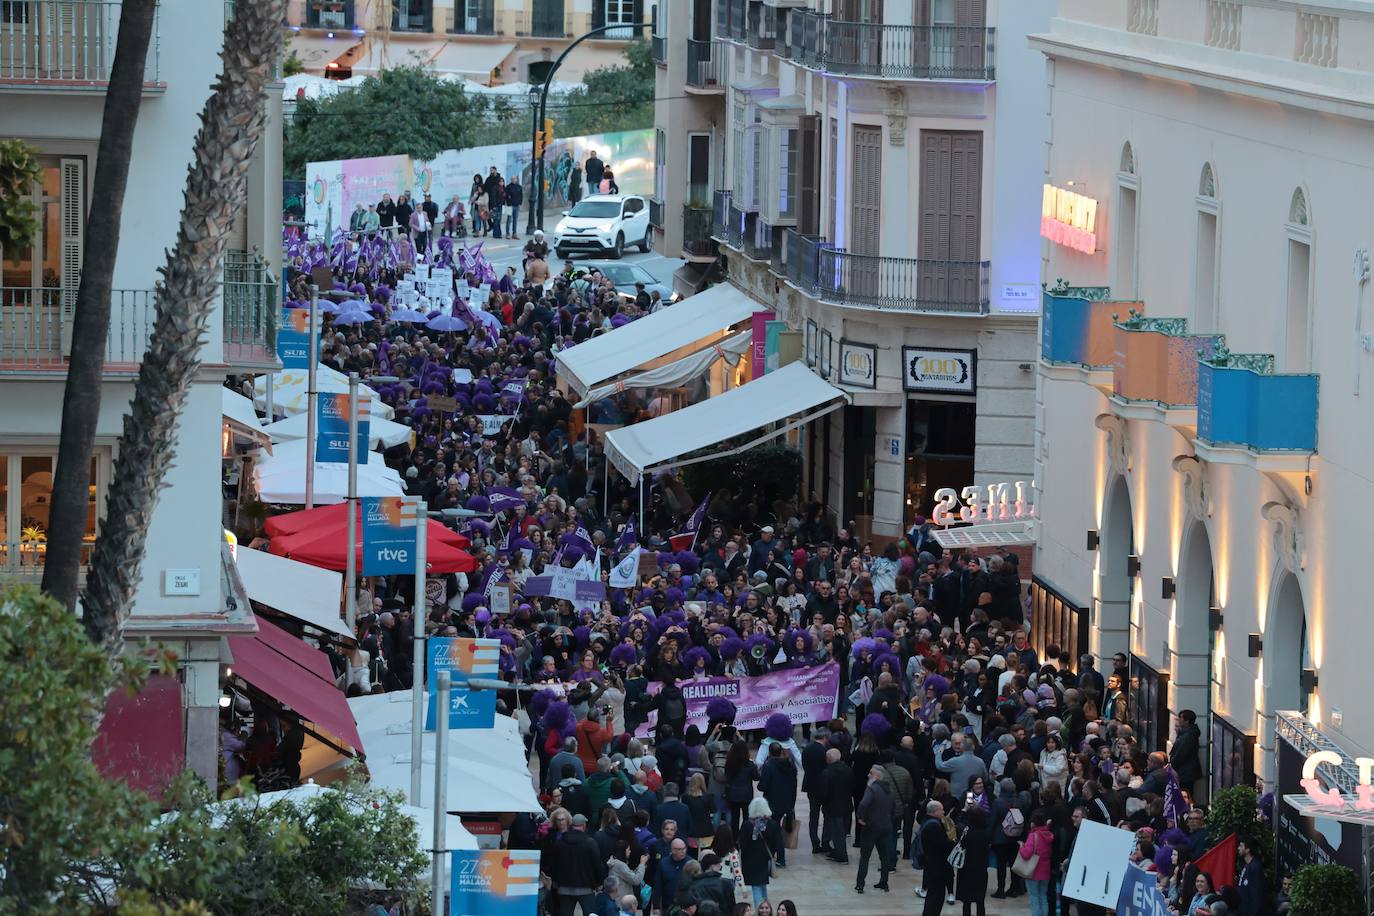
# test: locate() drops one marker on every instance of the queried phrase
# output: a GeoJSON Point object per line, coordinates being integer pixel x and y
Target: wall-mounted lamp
{"type": "Point", "coordinates": [1166, 588]}
{"type": "Point", "coordinates": [1214, 619]}
{"type": "Point", "coordinates": [1093, 539]}
{"type": "Point", "coordinates": [1255, 648]}
{"type": "Point", "coordinates": [1309, 680]}
{"type": "Point", "coordinates": [1132, 566]}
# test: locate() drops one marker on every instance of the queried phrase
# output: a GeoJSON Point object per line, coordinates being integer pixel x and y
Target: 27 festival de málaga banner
{"type": "Point", "coordinates": [494, 882]}
{"type": "Point", "coordinates": [805, 694]}
{"type": "Point", "coordinates": [333, 188]}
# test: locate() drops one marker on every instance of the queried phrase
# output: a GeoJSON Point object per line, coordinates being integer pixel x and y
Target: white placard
{"type": "Point", "coordinates": [492, 423]}
{"type": "Point", "coordinates": [1100, 859]}
{"type": "Point", "coordinates": [422, 271]}
{"type": "Point", "coordinates": [181, 582]}
{"type": "Point", "coordinates": [462, 376]}
{"type": "Point", "coordinates": [442, 274]}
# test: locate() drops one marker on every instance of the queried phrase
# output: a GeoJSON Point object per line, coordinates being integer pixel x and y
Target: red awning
{"type": "Point", "coordinates": [142, 738]}
{"type": "Point", "coordinates": [319, 537]}
{"type": "Point", "coordinates": [290, 672]}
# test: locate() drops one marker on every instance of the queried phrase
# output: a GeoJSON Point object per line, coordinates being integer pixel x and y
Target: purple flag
{"type": "Point", "coordinates": [629, 536]}
{"type": "Point", "coordinates": [502, 498]}
{"type": "Point", "coordinates": [687, 538]}
{"type": "Point", "coordinates": [1175, 807]}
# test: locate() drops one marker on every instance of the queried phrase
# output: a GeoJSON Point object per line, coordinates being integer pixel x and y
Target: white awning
{"type": "Point", "coordinates": [792, 391]}
{"type": "Point", "coordinates": [679, 372]}
{"type": "Point", "coordinates": [317, 51]}
{"type": "Point", "coordinates": [465, 56]}
{"type": "Point", "coordinates": [291, 394]}
{"type": "Point", "coordinates": [381, 432]}
{"type": "Point", "coordinates": [307, 593]}
{"type": "Point", "coordinates": [600, 359]}
{"type": "Point", "coordinates": [280, 477]}
{"type": "Point", "coordinates": [990, 534]}
{"type": "Point", "coordinates": [239, 412]}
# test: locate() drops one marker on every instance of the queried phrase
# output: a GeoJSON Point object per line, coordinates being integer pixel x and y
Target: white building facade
{"type": "Point", "coordinates": [1203, 462]}
{"type": "Point", "coordinates": [870, 172]}
{"type": "Point", "coordinates": [54, 66]}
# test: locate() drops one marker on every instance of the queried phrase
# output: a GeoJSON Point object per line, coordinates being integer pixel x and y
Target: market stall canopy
{"type": "Point", "coordinates": [679, 372]}
{"type": "Point", "coordinates": [481, 777]}
{"type": "Point", "coordinates": [290, 390]}
{"type": "Point", "coordinates": [381, 432]}
{"type": "Point", "coordinates": [792, 391]}
{"type": "Point", "coordinates": [297, 676]}
{"type": "Point", "coordinates": [319, 537]}
{"type": "Point", "coordinates": [242, 418]}
{"type": "Point", "coordinates": [307, 593]}
{"type": "Point", "coordinates": [280, 477]}
{"type": "Point", "coordinates": [696, 318]}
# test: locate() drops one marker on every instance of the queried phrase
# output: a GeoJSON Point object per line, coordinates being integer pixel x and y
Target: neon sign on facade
{"type": "Point", "coordinates": [1069, 219]}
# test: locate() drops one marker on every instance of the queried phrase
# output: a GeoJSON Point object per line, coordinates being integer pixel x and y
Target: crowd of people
{"type": "Point", "coordinates": [953, 741]}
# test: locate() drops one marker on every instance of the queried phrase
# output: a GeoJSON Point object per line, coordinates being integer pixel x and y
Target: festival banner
{"type": "Point", "coordinates": [805, 694]}
{"type": "Point", "coordinates": [331, 428]}
{"type": "Point", "coordinates": [467, 709]}
{"type": "Point", "coordinates": [494, 882]}
{"type": "Point", "coordinates": [293, 339]}
{"type": "Point", "coordinates": [390, 524]}
{"type": "Point", "coordinates": [462, 657]}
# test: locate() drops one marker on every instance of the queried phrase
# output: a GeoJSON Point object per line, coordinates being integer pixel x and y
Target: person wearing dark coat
{"type": "Point", "coordinates": [971, 885]}
{"type": "Point", "coordinates": [759, 841]}
{"type": "Point", "coordinates": [813, 770]}
{"type": "Point", "coordinates": [712, 886]}
{"type": "Point", "coordinates": [874, 814]}
{"type": "Point", "coordinates": [906, 757]}
{"type": "Point", "coordinates": [837, 800]}
{"type": "Point", "coordinates": [579, 868]}
{"type": "Point", "coordinates": [778, 783]}
{"type": "Point", "coordinates": [1184, 756]}
{"type": "Point", "coordinates": [672, 809]}
{"type": "Point", "coordinates": [935, 849]}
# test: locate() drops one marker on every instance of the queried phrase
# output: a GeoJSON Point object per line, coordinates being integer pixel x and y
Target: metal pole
{"type": "Point", "coordinates": [605, 488]}
{"type": "Point", "coordinates": [271, 417]}
{"type": "Point", "coordinates": [419, 662]}
{"type": "Point", "coordinates": [535, 127]}
{"type": "Point", "coordinates": [311, 398]}
{"type": "Point", "coordinates": [351, 561]}
{"type": "Point", "coordinates": [440, 795]}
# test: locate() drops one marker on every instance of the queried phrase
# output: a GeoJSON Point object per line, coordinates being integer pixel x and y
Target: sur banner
{"type": "Point", "coordinates": [388, 535]}
{"type": "Point", "coordinates": [805, 694]}
{"type": "Point", "coordinates": [293, 339]}
{"type": "Point", "coordinates": [494, 882]}
{"type": "Point", "coordinates": [331, 438]}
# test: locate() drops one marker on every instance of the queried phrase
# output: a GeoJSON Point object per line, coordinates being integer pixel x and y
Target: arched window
{"type": "Point", "coordinates": [1297, 329]}
{"type": "Point", "coordinates": [1206, 277]}
{"type": "Point", "coordinates": [1126, 247]}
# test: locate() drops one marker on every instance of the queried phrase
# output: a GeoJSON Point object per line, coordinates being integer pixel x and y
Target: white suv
{"type": "Point", "coordinates": [603, 223]}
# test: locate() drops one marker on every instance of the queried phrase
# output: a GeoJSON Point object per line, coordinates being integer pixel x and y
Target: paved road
{"type": "Point", "coordinates": [505, 253]}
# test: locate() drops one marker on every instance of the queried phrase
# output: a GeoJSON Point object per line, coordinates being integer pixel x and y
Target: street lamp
{"type": "Point", "coordinates": [534, 153]}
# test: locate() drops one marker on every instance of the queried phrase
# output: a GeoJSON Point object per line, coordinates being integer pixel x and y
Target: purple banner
{"type": "Point", "coordinates": [805, 694]}
{"type": "Point", "coordinates": [563, 583]}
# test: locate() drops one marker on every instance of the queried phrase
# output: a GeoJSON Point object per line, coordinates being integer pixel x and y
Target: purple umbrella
{"type": "Point", "coordinates": [407, 315]}
{"type": "Point", "coordinates": [353, 318]}
{"type": "Point", "coordinates": [489, 319]}
{"type": "Point", "coordinates": [446, 323]}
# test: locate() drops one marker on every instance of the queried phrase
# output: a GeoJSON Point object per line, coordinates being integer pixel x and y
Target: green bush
{"type": "Point", "coordinates": [1324, 890]}
{"type": "Point", "coordinates": [1236, 810]}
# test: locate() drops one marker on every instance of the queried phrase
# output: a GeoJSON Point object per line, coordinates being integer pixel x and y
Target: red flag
{"type": "Point", "coordinates": [1219, 862]}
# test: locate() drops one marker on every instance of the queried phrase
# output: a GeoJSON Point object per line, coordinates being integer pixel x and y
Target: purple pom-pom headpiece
{"type": "Point", "coordinates": [539, 703]}
{"type": "Point", "coordinates": [938, 684]}
{"type": "Point", "coordinates": [778, 726]}
{"type": "Point", "coordinates": [559, 717]}
{"type": "Point", "coordinates": [865, 644]}
{"type": "Point", "coordinates": [719, 709]}
{"type": "Point", "coordinates": [875, 724]}
{"type": "Point", "coordinates": [731, 647]}
{"type": "Point", "coordinates": [696, 657]}
{"type": "Point", "coordinates": [624, 655]}
{"type": "Point", "coordinates": [793, 636]}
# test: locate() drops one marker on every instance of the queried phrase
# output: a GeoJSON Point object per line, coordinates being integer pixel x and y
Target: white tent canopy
{"type": "Point", "coordinates": [280, 477]}
{"type": "Point", "coordinates": [238, 410]}
{"type": "Point", "coordinates": [792, 391]}
{"type": "Point", "coordinates": [290, 390]}
{"type": "Point", "coordinates": [678, 372]}
{"type": "Point", "coordinates": [600, 359]}
{"type": "Point", "coordinates": [381, 432]}
{"type": "Point", "coordinates": [307, 593]}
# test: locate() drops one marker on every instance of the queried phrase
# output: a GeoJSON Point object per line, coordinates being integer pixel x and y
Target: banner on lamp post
{"type": "Point", "coordinates": [494, 882]}
{"type": "Point", "coordinates": [463, 658]}
{"type": "Point", "coordinates": [467, 709]}
{"type": "Point", "coordinates": [390, 524]}
{"type": "Point", "coordinates": [293, 339]}
{"type": "Point", "coordinates": [331, 436]}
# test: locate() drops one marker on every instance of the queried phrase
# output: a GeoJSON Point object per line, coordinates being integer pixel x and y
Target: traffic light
{"type": "Point", "coordinates": [544, 138]}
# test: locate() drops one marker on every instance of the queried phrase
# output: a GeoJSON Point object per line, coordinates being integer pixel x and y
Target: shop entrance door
{"type": "Point", "coordinates": [857, 505]}
{"type": "Point", "coordinates": [939, 451]}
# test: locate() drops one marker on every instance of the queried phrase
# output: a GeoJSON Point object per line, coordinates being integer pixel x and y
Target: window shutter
{"type": "Point", "coordinates": [967, 202]}
{"type": "Point", "coordinates": [598, 13]}
{"type": "Point", "coordinates": [637, 12]}
{"type": "Point", "coordinates": [970, 18]}
{"type": "Point", "coordinates": [866, 190]}
{"type": "Point", "coordinates": [809, 198]}
{"type": "Point", "coordinates": [73, 233]}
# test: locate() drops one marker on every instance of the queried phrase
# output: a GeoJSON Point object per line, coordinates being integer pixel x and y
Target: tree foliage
{"type": "Point", "coordinates": [619, 97]}
{"type": "Point", "coordinates": [18, 171]}
{"type": "Point", "coordinates": [1236, 810]}
{"type": "Point", "coordinates": [1322, 890]}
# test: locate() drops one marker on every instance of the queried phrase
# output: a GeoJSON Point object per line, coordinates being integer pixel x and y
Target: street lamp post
{"type": "Point", "coordinates": [538, 166]}
{"type": "Point", "coordinates": [534, 153]}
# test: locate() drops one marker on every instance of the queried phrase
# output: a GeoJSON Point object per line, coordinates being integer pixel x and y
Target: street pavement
{"type": "Point", "coordinates": [820, 887]}
{"type": "Point", "coordinates": [505, 253]}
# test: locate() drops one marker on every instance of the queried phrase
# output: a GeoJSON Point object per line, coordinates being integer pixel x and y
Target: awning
{"type": "Point", "coordinates": [381, 432]}
{"type": "Point", "coordinates": [299, 677]}
{"type": "Point", "coordinates": [280, 477]}
{"type": "Point", "coordinates": [652, 337]}
{"type": "Point", "coordinates": [290, 390]}
{"type": "Point", "coordinates": [398, 52]}
{"type": "Point", "coordinates": [316, 52]}
{"type": "Point", "coordinates": [242, 418]}
{"type": "Point", "coordinates": [792, 391]}
{"type": "Point", "coordinates": [142, 738]}
{"type": "Point", "coordinates": [469, 57]}
{"type": "Point", "coordinates": [324, 542]}
{"type": "Point", "coordinates": [679, 372]}
{"type": "Point", "coordinates": [307, 593]}
{"type": "Point", "coordinates": [991, 534]}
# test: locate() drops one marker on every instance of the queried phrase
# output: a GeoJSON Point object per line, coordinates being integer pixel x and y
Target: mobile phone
{"type": "Point", "coordinates": [968, 798]}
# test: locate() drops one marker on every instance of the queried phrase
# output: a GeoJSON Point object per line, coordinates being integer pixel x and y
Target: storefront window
{"type": "Point", "coordinates": [939, 451]}
{"type": "Point", "coordinates": [1149, 690]}
{"type": "Point", "coordinates": [1233, 756]}
{"type": "Point", "coordinates": [26, 505]}
{"type": "Point", "coordinates": [1056, 621]}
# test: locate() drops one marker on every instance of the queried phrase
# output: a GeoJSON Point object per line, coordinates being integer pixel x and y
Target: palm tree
{"type": "Point", "coordinates": [91, 321]}
{"type": "Point", "coordinates": [231, 125]}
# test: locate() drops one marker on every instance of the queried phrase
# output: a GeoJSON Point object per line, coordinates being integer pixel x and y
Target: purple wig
{"type": "Point", "coordinates": [559, 717]}
{"type": "Point", "coordinates": [539, 703]}
{"type": "Point", "coordinates": [719, 709]}
{"type": "Point", "coordinates": [696, 657]}
{"type": "Point", "coordinates": [938, 684]}
{"type": "Point", "coordinates": [581, 636]}
{"type": "Point", "coordinates": [875, 724]}
{"type": "Point", "coordinates": [793, 636]}
{"type": "Point", "coordinates": [689, 561]}
{"type": "Point", "coordinates": [778, 726]}
{"type": "Point", "coordinates": [624, 655]}
{"type": "Point", "coordinates": [478, 503]}
{"type": "Point", "coordinates": [472, 601]}
{"type": "Point", "coordinates": [894, 664]}
{"type": "Point", "coordinates": [863, 645]}
{"type": "Point", "coordinates": [731, 647]}
{"type": "Point", "coordinates": [758, 639]}
{"type": "Point", "coordinates": [674, 596]}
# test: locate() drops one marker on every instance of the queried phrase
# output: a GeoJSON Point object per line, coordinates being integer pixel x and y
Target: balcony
{"type": "Point", "coordinates": [761, 28]}
{"type": "Point", "coordinates": [412, 16]}
{"type": "Point", "coordinates": [1077, 330]}
{"type": "Point", "coordinates": [251, 312]}
{"type": "Point", "coordinates": [801, 259]}
{"type": "Point", "coordinates": [66, 46]}
{"type": "Point", "coordinates": [1155, 368]}
{"type": "Point", "coordinates": [696, 232]}
{"type": "Point", "coordinates": [739, 226]}
{"type": "Point", "coordinates": [659, 47]}
{"type": "Point", "coordinates": [703, 66]}
{"type": "Point", "coordinates": [1249, 414]}
{"type": "Point", "coordinates": [903, 284]}
{"type": "Point", "coordinates": [22, 562]}
{"type": "Point", "coordinates": [720, 215]}
{"type": "Point", "coordinates": [758, 243]}
{"type": "Point", "coordinates": [898, 52]}
{"type": "Point", "coordinates": [36, 329]}
{"type": "Point", "coordinates": [477, 17]}
{"type": "Point", "coordinates": [732, 19]}
{"type": "Point", "coordinates": [329, 14]}
{"type": "Point", "coordinates": [655, 213]}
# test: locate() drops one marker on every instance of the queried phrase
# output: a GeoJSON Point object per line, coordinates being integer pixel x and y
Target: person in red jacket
{"type": "Point", "coordinates": [593, 734]}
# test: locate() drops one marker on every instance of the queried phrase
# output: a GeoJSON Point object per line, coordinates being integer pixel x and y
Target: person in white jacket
{"type": "Point", "coordinates": [1054, 763]}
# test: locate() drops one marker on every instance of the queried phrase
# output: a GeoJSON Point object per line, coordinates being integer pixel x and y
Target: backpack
{"type": "Point", "coordinates": [1013, 823]}
{"type": "Point", "coordinates": [672, 710]}
{"type": "Point", "coordinates": [900, 800]}
{"type": "Point", "coordinates": [718, 764]}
